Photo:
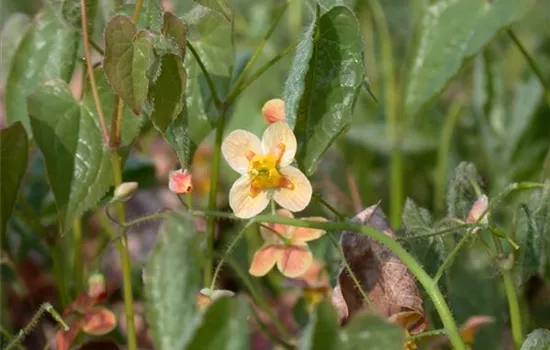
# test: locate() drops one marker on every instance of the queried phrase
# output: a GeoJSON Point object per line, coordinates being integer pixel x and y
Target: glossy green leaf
{"type": "Point", "coordinates": [174, 29]}
{"type": "Point", "coordinates": [323, 84]}
{"type": "Point", "coordinates": [372, 332]}
{"type": "Point", "coordinates": [48, 50]}
{"type": "Point", "coordinates": [128, 55]}
{"type": "Point", "coordinates": [68, 134]}
{"type": "Point", "coordinates": [220, 6]}
{"type": "Point", "coordinates": [220, 328]}
{"type": "Point", "coordinates": [12, 34]}
{"type": "Point", "coordinates": [322, 330]}
{"type": "Point", "coordinates": [167, 91]}
{"type": "Point", "coordinates": [172, 280]}
{"type": "Point", "coordinates": [451, 31]}
{"type": "Point", "coordinates": [539, 339]}
{"type": "Point", "coordinates": [461, 194]}
{"type": "Point", "coordinates": [211, 36]}
{"type": "Point", "coordinates": [14, 151]}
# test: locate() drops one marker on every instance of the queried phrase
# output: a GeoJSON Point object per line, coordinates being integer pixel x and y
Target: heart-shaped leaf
{"type": "Point", "coordinates": [451, 31]}
{"type": "Point", "coordinates": [172, 281]}
{"type": "Point", "coordinates": [323, 83]}
{"type": "Point", "coordinates": [174, 29]}
{"type": "Point", "coordinates": [14, 151]}
{"type": "Point", "coordinates": [128, 55]}
{"type": "Point", "coordinates": [48, 50]}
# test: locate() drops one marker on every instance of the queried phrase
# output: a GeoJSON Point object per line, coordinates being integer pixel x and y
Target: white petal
{"type": "Point", "coordinates": [243, 204]}
{"type": "Point", "coordinates": [276, 134]}
{"type": "Point", "coordinates": [299, 197]}
{"type": "Point", "coordinates": [235, 148]}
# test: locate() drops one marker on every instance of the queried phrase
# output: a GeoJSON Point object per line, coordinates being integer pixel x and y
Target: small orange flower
{"type": "Point", "coordinates": [206, 296]}
{"type": "Point", "coordinates": [285, 246]}
{"type": "Point", "coordinates": [266, 171]}
{"type": "Point", "coordinates": [274, 110]}
{"type": "Point", "coordinates": [180, 181]}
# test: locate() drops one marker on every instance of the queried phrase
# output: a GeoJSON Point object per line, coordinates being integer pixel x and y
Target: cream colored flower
{"type": "Point", "coordinates": [266, 171]}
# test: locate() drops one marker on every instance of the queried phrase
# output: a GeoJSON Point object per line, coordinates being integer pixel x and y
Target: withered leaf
{"type": "Point", "coordinates": [389, 284]}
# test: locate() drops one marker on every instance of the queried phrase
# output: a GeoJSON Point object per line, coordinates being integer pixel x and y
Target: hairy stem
{"type": "Point", "coordinates": [78, 266]}
{"type": "Point", "coordinates": [513, 305]}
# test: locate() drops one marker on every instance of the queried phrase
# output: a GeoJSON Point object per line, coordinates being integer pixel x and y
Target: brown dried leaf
{"type": "Point", "coordinates": [385, 279]}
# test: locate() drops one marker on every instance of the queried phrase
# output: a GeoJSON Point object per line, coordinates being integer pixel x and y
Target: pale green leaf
{"type": "Point", "coordinates": [539, 339]}
{"type": "Point", "coordinates": [322, 330]}
{"type": "Point", "coordinates": [68, 134]}
{"type": "Point", "coordinates": [172, 280]}
{"type": "Point", "coordinates": [217, 5]}
{"type": "Point", "coordinates": [127, 59]}
{"type": "Point", "coordinates": [12, 33]}
{"type": "Point", "coordinates": [321, 91]}
{"type": "Point", "coordinates": [167, 91]}
{"type": "Point", "coordinates": [14, 152]}
{"type": "Point", "coordinates": [372, 332]}
{"type": "Point", "coordinates": [174, 29]}
{"type": "Point", "coordinates": [451, 31]}
{"type": "Point", "coordinates": [48, 50]}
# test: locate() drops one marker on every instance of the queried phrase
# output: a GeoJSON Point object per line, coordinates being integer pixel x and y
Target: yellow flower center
{"type": "Point", "coordinates": [263, 169]}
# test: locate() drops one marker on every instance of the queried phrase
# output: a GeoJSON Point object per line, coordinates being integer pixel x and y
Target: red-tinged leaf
{"type": "Point", "coordinates": [64, 339]}
{"type": "Point", "coordinates": [99, 321]}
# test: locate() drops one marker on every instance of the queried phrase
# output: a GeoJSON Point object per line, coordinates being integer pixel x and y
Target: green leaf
{"type": "Point", "coordinates": [539, 339]}
{"type": "Point", "coordinates": [174, 29]}
{"type": "Point", "coordinates": [372, 332]}
{"type": "Point", "coordinates": [220, 329]}
{"type": "Point", "coordinates": [461, 194]}
{"type": "Point", "coordinates": [217, 5]}
{"type": "Point", "coordinates": [12, 34]}
{"type": "Point", "coordinates": [211, 36]}
{"type": "Point", "coordinates": [534, 234]}
{"type": "Point", "coordinates": [68, 134]}
{"type": "Point", "coordinates": [72, 13]}
{"type": "Point", "coordinates": [167, 92]}
{"type": "Point", "coordinates": [48, 50]}
{"type": "Point", "coordinates": [322, 330]}
{"type": "Point", "coordinates": [127, 59]}
{"type": "Point", "coordinates": [172, 280]}
{"type": "Point", "coordinates": [14, 151]}
{"type": "Point", "coordinates": [451, 31]}
{"type": "Point", "coordinates": [323, 84]}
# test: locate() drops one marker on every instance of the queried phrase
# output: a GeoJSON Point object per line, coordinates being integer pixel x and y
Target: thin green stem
{"type": "Point", "coordinates": [426, 334]}
{"type": "Point", "coordinates": [531, 61]}
{"type": "Point", "coordinates": [88, 54]}
{"type": "Point", "coordinates": [122, 246]}
{"type": "Point", "coordinates": [327, 205]}
{"type": "Point", "coordinates": [443, 156]}
{"type": "Point", "coordinates": [97, 47]}
{"type": "Point", "coordinates": [425, 280]}
{"type": "Point", "coordinates": [209, 81]}
{"type": "Point", "coordinates": [59, 272]}
{"type": "Point", "coordinates": [450, 258]}
{"type": "Point", "coordinates": [237, 91]}
{"type": "Point", "coordinates": [213, 195]}
{"type": "Point", "coordinates": [513, 305]}
{"type": "Point", "coordinates": [77, 244]}
{"type": "Point", "coordinates": [260, 48]}
{"type": "Point", "coordinates": [438, 233]}
{"type": "Point", "coordinates": [227, 253]}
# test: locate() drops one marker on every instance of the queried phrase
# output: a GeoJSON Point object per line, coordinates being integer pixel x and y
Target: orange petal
{"type": "Point", "coordinates": [64, 339]}
{"type": "Point", "coordinates": [305, 234]}
{"type": "Point", "coordinates": [99, 321]}
{"type": "Point", "coordinates": [236, 148]}
{"type": "Point", "coordinates": [283, 230]}
{"type": "Point", "coordinates": [264, 259]}
{"type": "Point", "coordinates": [274, 110]}
{"type": "Point", "coordinates": [297, 198]}
{"type": "Point", "coordinates": [276, 134]}
{"type": "Point", "coordinates": [243, 204]}
{"type": "Point", "coordinates": [295, 261]}
{"type": "Point", "coordinates": [472, 324]}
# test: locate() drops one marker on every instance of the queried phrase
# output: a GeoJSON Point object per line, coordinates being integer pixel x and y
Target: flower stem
{"type": "Point", "coordinates": [450, 258]}
{"type": "Point", "coordinates": [212, 199]}
{"type": "Point", "coordinates": [513, 305]}
{"type": "Point", "coordinates": [78, 268]}
{"type": "Point", "coordinates": [88, 54]}
{"type": "Point", "coordinates": [59, 273]}
{"type": "Point", "coordinates": [425, 280]}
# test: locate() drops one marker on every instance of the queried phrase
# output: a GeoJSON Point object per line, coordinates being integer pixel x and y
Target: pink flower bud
{"type": "Point", "coordinates": [478, 208]}
{"type": "Point", "coordinates": [180, 181]}
{"type": "Point", "coordinates": [274, 110]}
{"type": "Point", "coordinates": [96, 286]}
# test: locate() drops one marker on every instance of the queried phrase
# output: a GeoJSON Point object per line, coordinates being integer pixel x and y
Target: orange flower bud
{"type": "Point", "coordinates": [274, 110]}
{"type": "Point", "coordinates": [180, 181]}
